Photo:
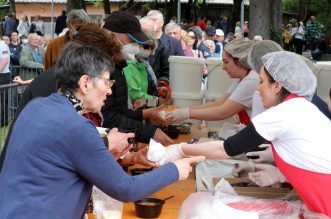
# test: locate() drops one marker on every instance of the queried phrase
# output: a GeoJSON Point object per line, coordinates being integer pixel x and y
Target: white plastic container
{"type": "Point", "coordinates": [186, 101]}
{"type": "Point", "coordinates": [323, 74]}
{"type": "Point", "coordinates": [218, 79]}
{"type": "Point", "coordinates": [185, 74]}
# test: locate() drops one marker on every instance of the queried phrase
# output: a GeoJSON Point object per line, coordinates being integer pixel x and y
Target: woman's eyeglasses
{"type": "Point", "coordinates": [191, 37]}
{"type": "Point", "coordinates": [109, 83]}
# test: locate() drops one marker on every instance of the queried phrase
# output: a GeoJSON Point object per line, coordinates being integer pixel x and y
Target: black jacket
{"type": "Point", "coordinates": [116, 113]}
{"type": "Point", "coordinates": [159, 61]}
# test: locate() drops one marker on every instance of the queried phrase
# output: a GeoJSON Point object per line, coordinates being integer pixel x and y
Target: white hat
{"type": "Point", "coordinates": [219, 32]}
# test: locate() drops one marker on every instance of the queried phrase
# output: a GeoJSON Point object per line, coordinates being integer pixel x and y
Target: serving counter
{"type": "Point", "coordinates": [180, 189]}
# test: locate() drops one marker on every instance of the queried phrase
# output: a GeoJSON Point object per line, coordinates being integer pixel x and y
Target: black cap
{"type": "Point", "coordinates": [210, 31]}
{"type": "Point", "coordinates": [124, 22]}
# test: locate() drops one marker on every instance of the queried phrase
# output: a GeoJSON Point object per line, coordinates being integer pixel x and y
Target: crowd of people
{"type": "Point", "coordinates": [109, 76]}
{"type": "Point", "coordinates": [298, 37]}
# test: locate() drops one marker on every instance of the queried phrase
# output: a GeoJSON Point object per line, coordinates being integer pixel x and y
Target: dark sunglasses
{"type": "Point", "coordinates": [146, 46]}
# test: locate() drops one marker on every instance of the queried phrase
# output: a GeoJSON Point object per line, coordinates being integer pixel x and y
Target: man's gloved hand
{"type": "Point", "coordinates": [266, 175]}
{"type": "Point", "coordinates": [265, 156]}
{"type": "Point", "coordinates": [173, 152]}
{"type": "Point", "coordinates": [243, 168]}
{"type": "Point", "coordinates": [178, 115]}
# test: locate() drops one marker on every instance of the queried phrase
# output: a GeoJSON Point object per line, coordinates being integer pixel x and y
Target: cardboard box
{"type": "Point", "coordinates": [197, 132]}
{"type": "Point", "coordinates": [256, 191]}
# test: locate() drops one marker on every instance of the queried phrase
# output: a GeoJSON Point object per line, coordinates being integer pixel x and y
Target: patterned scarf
{"type": "Point", "coordinates": [152, 80]}
{"type": "Point", "coordinates": [78, 105]}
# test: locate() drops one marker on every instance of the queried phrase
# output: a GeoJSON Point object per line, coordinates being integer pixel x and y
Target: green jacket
{"type": "Point", "coordinates": [137, 80]}
{"type": "Point", "coordinates": [27, 59]}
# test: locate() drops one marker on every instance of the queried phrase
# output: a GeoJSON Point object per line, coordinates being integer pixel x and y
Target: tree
{"type": "Point", "coordinates": [259, 18]}
{"type": "Point", "coordinates": [12, 5]}
{"type": "Point", "coordinates": [106, 6]}
{"type": "Point", "coordinates": [276, 21]}
{"type": "Point", "coordinates": [75, 4]}
{"type": "Point", "coordinates": [235, 14]}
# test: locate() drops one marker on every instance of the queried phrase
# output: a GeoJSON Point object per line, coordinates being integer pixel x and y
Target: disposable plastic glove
{"type": "Point", "coordinates": [173, 152]}
{"type": "Point", "coordinates": [178, 115]}
{"type": "Point", "coordinates": [243, 168]}
{"type": "Point", "coordinates": [265, 156]}
{"type": "Point", "coordinates": [266, 175]}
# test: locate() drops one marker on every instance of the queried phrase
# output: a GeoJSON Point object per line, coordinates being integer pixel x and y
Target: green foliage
{"type": "Point", "coordinates": [321, 8]}
{"type": "Point", "coordinates": [277, 35]}
{"type": "Point", "coordinates": [97, 4]}
{"type": "Point", "coordinates": [147, 7]}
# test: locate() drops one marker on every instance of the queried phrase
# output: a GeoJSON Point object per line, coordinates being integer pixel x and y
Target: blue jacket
{"type": "Point", "coordinates": [55, 156]}
{"type": "Point", "coordinates": [174, 45]}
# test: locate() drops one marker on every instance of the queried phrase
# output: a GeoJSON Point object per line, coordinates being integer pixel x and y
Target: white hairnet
{"type": "Point", "coordinates": [291, 72]}
{"type": "Point", "coordinates": [259, 49]}
{"type": "Point", "coordinates": [239, 49]}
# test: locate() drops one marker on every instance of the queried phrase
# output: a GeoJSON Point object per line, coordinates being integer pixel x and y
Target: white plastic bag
{"type": "Point", "coordinates": [225, 203]}
{"type": "Point", "coordinates": [106, 207]}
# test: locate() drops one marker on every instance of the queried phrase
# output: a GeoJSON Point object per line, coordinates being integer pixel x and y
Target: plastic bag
{"type": "Point", "coordinates": [106, 207]}
{"type": "Point", "coordinates": [225, 203]}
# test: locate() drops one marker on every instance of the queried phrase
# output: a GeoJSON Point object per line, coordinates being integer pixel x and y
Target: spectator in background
{"type": "Point", "coordinates": [24, 27]}
{"type": "Point", "coordinates": [321, 48]}
{"type": "Point", "coordinates": [287, 36]}
{"type": "Point", "coordinates": [224, 25]}
{"type": "Point", "coordinates": [313, 32]}
{"type": "Point", "coordinates": [32, 56]}
{"type": "Point", "coordinates": [24, 40]}
{"type": "Point", "coordinates": [237, 36]}
{"type": "Point", "coordinates": [15, 50]}
{"type": "Point", "coordinates": [201, 23]}
{"type": "Point", "coordinates": [199, 49]}
{"type": "Point", "coordinates": [10, 25]}
{"type": "Point", "coordinates": [174, 30]}
{"type": "Point", "coordinates": [4, 79]}
{"type": "Point", "coordinates": [246, 29]}
{"type": "Point", "coordinates": [211, 46]}
{"type": "Point", "coordinates": [297, 34]}
{"type": "Point", "coordinates": [237, 29]}
{"type": "Point", "coordinates": [40, 26]}
{"type": "Point", "coordinates": [211, 35]}
{"type": "Point", "coordinates": [6, 39]}
{"type": "Point", "coordinates": [208, 24]}
{"type": "Point", "coordinates": [76, 18]}
{"type": "Point", "coordinates": [159, 60]}
{"type": "Point", "coordinates": [174, 45]}
{"type": "Point", "coordinates": [61, 22]}
{"type": "Point", "coordinates": [229, 37]}
{"type": "Point", "coordinates": [220, 41]}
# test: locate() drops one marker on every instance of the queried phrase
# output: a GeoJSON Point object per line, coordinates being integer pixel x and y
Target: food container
{"type": "Point", "coordinates": [171, 131]}
{"type": "Point", "coordinates": [149, 207]}
{"type": "Point", "coordinates": [138, 171]}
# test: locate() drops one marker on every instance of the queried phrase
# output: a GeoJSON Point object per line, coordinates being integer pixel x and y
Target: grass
{"type": "Point", "coordinates": [3, 135]}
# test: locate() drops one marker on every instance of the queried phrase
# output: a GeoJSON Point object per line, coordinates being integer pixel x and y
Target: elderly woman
{"type": "Point", "coordinates": [59, 155]}
{"type": "Point", "coordinates": [237, 99]}
{"type": "Point", "coordinates": [298, 131]}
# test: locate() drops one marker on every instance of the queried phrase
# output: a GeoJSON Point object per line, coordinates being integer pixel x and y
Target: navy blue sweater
{"type": "Point", "coordinates": [57, 157]}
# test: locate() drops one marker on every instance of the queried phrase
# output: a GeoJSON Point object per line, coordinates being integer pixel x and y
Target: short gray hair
{"type": "Point", "coordinates": [171, 25]}
{"type": "Point", "coordinates": [150, 22]}
{"type": "Point", "coordinates": [156, 13]}
{"type": "Point", "coordinates": [77, 15]}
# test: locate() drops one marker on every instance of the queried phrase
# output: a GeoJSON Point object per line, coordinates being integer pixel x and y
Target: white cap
{"type": "Point", "coordinates": [219, 32]}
